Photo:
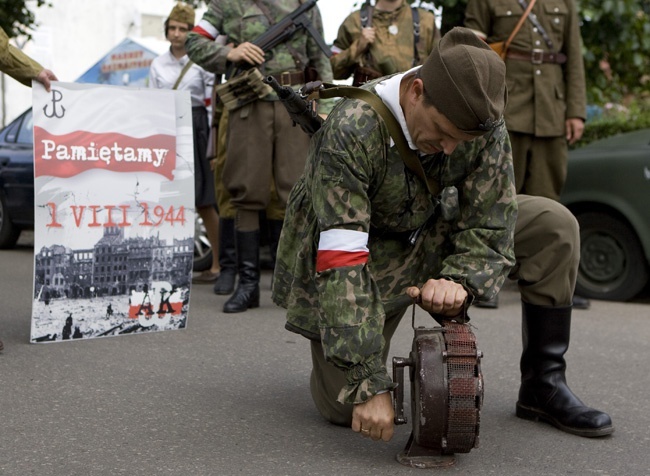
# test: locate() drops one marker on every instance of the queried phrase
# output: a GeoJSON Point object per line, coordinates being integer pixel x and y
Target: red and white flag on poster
{"type": "Point", "coordinates": [114, 211]}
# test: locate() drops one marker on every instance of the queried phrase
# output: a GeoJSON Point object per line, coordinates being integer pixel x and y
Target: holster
{"type": "Point", "coordinates": [243, 89]}
{"type": "Point", "coordinates": [499, 48]}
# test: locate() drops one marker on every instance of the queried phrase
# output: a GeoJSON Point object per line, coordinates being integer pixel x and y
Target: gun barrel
{"type": "Point", "coordinates": [283, 92]}
{"type": "Point", "coordinates": [299, 109]}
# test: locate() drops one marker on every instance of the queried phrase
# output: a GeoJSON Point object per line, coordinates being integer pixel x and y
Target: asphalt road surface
{"type": "Point", "coordinates": [229, 395]}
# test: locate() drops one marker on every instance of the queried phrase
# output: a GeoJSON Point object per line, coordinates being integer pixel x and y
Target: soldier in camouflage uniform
{"type": "Point", "coordinates": [388, 44]}
{"type": "Point", "coordinates": [345, 264]}
{"type": "Point", "coordinates": [262, 145]}
{"type": "Point", "coordinates": [364, 237]}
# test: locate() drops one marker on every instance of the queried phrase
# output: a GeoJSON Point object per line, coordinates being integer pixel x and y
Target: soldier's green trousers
{"type": "Point", "coordinates": [547, 251]}
{"type": "Point", "coordinates": [540, 164]}
{"type": "Point", "coordinates": [275, 209]}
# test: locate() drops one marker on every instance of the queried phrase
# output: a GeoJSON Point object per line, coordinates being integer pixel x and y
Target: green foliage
{"type": "Point", "coordinates": [16, 19]}
{"type": "Point", "coordinates": [616, 119]}
{"type": "Point", "coordinates": [619, 33]}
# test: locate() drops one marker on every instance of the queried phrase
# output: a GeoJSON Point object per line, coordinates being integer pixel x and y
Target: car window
{"type": "Point", "coordinates": [26, 131]}
{"type": "Point", "coordinates": [12, 131]}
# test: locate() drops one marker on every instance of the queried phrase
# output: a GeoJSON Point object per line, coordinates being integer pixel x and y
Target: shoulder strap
{"type": "Point", "coordinates": [407, 154]}
{"type": "Point", "coordinates": [187, 66]}
{"type": "Point", "coordinates": [265, 11]}
{"type": "Point", "coordinates": [520, 23]}
{"type": "Point", "coordinates": [366, 15]}
{"type": "Point", "coordinates": [416, 35]}
{"type": "Point", "coordinates": [533, 19]}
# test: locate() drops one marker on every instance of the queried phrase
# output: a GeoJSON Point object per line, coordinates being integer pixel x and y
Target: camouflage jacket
{"type": "Point", "coordinates": [540, 96]}
{"type": "Point", "coordinates": [356, 181]}
{"type": "Point", "coordinates": [241, 21]}
{"type": "Point", "coordinates": [391, 52]}
{"type": "Point", "coordinates": [16, 63]}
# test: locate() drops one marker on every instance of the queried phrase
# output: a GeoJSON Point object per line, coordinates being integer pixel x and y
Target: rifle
{"type": "Point", "coordinates": [283, 31]}
{"type": "Point", "coordinates": [297, 104]}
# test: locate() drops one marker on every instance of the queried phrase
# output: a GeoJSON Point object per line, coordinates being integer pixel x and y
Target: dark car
{"type": "Point", "coordinates": [608, 190]}
{"type": "Point", "coordinates": [16, 179]}
{"type": "Point", "coordinates": [17, 189]}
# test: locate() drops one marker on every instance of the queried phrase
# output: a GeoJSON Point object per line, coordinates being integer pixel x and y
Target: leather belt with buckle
{"type": "Point", "coordinates": [290, 78]}
{"type": "Point", "coordinates": [536, 56]}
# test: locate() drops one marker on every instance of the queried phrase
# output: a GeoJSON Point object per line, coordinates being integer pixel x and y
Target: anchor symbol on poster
{"type": "Point", "coordinates": [57, 96]}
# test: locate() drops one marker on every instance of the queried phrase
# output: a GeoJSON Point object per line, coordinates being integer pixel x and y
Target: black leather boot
{"type": "Point", "coordinates": [247, 294]}
{"type": "Point", "coordinates": [544, 394]}
{"type": "Point", "coordinates": [225, 283]}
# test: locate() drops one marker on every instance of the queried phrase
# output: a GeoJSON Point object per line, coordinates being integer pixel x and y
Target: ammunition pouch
{"type": "Point", "coordinates": [243, 89]}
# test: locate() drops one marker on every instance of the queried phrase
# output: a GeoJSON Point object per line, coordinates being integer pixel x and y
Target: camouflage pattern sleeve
{"type": "Point", "coordinates": [351, 310]}
{"type": "Point", "coordinates": [200, 45]}
{"type": "Point", "coordinates": [482, 241]}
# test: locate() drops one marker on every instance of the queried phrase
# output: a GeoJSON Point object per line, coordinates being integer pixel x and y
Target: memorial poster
{"type": "Point", "coordinates": [114, 211]}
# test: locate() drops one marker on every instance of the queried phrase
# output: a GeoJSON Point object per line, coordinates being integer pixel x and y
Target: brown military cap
{"type": "Point", "coordinates": [183, 13]}
{"type": "Point", "coordinates": [466, 81]}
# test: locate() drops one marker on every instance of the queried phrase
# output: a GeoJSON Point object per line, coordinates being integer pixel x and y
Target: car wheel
{"type": "Point", "coordinates": [9, 233]}
{"type": "Point", "coordinates": [612, 262]}
{"type": "Point", "coordinates": [202, 248]}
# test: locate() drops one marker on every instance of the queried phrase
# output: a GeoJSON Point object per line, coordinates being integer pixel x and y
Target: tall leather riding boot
{"type": "Point", "coordinates": [544, 394]}
{"type": "Point", "coordinates": [225, 283]}
{"type": "Point", "coordinates": [247, 294]}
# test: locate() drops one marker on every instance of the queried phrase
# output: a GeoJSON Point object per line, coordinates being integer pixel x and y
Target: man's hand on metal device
{"type": "Point", "coordinates": [440, 296]}
{"type": "Point", "coordinates": [374, 418]}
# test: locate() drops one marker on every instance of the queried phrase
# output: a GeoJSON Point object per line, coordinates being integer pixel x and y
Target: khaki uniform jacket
{"type": "Point", "coordinates": [16, 63]}
{"type": "Point", "coordinates": [390, 53]}
{"type": "Point", "coordinates": [540, 96]}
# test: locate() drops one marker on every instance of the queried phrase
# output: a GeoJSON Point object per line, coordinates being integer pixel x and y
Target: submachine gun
{"type": "Point", "coordinates": [444, 363]}
{"type": "Point", "coordinates": [244, 83]}
{"type": "Point", "coordinates": [283, 31]}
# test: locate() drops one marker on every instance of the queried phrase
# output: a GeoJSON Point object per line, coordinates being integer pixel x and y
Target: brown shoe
{"type": "Point", "coordinates": [206, 277]}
